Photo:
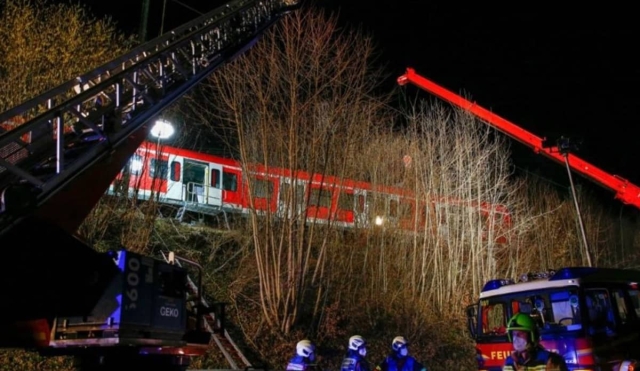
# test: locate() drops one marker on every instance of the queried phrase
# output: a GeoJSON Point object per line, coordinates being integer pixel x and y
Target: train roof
{"type": "Point", "coordinates": [262, 171]}
{"type": "Point", "coordinates": [569, 276]}
{"type": "Point", "coordinates": [170, 150]}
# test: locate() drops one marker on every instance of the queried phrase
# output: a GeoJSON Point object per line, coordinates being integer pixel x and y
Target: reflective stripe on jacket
{"type": "Point", "coordinates": [542, 360]}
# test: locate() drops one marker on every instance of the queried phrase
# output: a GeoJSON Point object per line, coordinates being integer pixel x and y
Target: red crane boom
{"type": "Point", "coordinates": [624, 190]}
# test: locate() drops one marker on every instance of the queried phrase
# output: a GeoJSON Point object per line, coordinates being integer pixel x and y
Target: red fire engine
{"type": "Point", "coordinates": [590, 316]}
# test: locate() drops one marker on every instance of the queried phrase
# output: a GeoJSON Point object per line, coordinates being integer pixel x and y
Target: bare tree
{"type": "Point", "coordinates": [45, 44]}
{"type": "Point", "coordinates": [459, 175]}
{"type": "Point", "coordinates": [553, 238]}
{"type": "Point", "coordinates": [300, 99]}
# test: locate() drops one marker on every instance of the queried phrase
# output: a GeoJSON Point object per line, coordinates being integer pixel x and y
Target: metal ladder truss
{"type": "Point", "coordinates": [227, 346]}
{"type": "Point", "coordinates": [49, 140]}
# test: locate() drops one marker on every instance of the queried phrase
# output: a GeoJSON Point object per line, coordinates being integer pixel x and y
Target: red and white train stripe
{"type": "Point", "coordinates": [212, 185]}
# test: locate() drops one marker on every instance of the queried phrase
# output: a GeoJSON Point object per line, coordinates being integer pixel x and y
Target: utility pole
{"type": "Point", "coordinates": [144, 18]}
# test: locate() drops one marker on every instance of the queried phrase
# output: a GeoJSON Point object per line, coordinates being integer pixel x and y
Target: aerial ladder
{"type": "Point", "coordinates": [625, 191]}
{"type": "Point", "coordinates": [60, 151]}
{"type": "Point", "coordinates": [213, 324]}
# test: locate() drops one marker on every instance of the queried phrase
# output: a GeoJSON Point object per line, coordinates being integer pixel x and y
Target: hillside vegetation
{"type": "Point", "coordinates": [306, 97]}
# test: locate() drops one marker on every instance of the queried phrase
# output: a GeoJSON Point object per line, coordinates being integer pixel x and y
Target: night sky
{"type": "Point", "coordinates": [555, 71]}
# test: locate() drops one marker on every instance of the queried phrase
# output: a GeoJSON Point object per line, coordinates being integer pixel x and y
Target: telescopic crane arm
{"type": "Point", "coordinates": [625, 191]}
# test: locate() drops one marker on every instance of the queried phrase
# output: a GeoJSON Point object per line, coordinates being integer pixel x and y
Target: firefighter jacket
{"type": "Point", "coordinates": [538, 359]}
{"type": "Point", "coordinates": [298, 363]}
{"type": "Point", "coordinates": [394, 362]}
{"type": "Point", "coordinates": [354, 362]}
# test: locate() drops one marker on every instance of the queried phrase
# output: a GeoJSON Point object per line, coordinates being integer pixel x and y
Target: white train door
{"type": "Point", "coordinates": [214, 191]}
{"type": "Point", "coordinates": [291, 201]}
{"type": "Point", "coordinates": [201, 183]}
{"type": "Point", "coordinates": [174, 182]}
{"type": "Point", "coordinates": [361, 209]}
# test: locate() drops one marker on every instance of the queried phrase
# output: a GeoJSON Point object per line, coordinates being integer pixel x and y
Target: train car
{"type": "Point", "coordinates": [205, 184]}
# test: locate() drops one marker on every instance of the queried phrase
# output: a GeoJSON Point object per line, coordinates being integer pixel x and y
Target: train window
{"type": "Point", "coordinates": [300, 194]}
{"type": "Point", "coordinates": [405, 209]}
{"type": "Point", "coordinates": [285, 194]}
{"type": "Point", "coordinates": [175, 171]}
{"type": "Point", "coordinates": [441, 214]}
{"type": "Point", "coordinates": [346, 201]}
{"type": "Point", "coordinates": [136, 164]}
{"type": "Point", "coordinates": [292, 200]}
{"type": "Point", "coordinates": [229, 181]}
{"type": "Point", "coordinates": [262, 188]}
{"type": "Point", "coordinates": [361, 203]}
{"type": "Point", "coordinates": [380, 205]}
{"type": "Point", "coordinates": [426, 214]}
{"type": "Point", "coordinates": [159, 168]}
{"type": "Point", "coordinates": [393, 208]}
{"type": "Point", "coordinates": [215, 178]}
{"type": "Point", "coordinates": [320, 198]}
{"type": "Point", "coordinates": [485, 220]}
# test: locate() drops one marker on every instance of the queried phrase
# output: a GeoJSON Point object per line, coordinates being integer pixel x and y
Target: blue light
{"type": "Point", "coordinates": [572, 273]}
{"type": "Point", "coordinates": [121, 259]}
{"type": "Point", "coordinates": [496, 284]}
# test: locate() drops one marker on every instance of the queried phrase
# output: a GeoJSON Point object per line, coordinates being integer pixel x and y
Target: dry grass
{"type": "Point", "coordinates": [305, 101]}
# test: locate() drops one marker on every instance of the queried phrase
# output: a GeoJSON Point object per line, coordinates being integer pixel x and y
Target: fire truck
{"type": "Point", "coordinates": [62, 297]}
{"type": "Point", "coordinates": [590, 316]}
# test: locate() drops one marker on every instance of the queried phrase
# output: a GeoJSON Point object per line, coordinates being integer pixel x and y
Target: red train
{"type": "Point", "coordinates": [201, 183]}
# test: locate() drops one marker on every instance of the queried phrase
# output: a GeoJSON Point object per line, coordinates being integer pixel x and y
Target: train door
{"type": "Point", "coordinates": [214, 190]}
{"type": "Point", "coordinates": [174, 183]}
{"type": "Point", "coordinates": [202, 182]}
{"type": "Point", "coordinates": [291, 200]}
{"type": "Point", "coordinates": [361, 209]}
{"type": "Point", "coordinates": [393, 210]}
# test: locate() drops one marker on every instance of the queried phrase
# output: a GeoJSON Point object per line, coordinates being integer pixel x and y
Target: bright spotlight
{"type": "Point", "coordinates": [162, 129]}
{"type": "Point", "coordinates": [379, 220]}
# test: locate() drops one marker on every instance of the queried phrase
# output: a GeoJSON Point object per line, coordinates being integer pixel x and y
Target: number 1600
{"type": "Point", "coordinates": [133, 278]}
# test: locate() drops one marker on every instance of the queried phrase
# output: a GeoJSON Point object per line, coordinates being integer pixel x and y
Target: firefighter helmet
{"type": "Point", "coordinates": [398, 342]}
{"type": "Point", "coordinates": [523, 322]}
{"type": "Point", "coordinates": [355, 342]}
{"type": "Point", "coordinates": [304, 348]}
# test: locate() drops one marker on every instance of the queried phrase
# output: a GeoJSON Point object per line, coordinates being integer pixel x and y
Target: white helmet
{"type": "Point", "coordinates": [398, 342]}
{"type": "Point", "coordinates": [305, 348]}
{"type": "Point", "coordinates": [355, 342]}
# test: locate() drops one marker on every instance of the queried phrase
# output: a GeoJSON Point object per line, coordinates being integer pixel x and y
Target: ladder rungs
{"type": "Point", "coordinates": [228, 347]}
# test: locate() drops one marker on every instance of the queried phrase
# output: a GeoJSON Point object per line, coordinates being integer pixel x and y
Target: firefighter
{"type": "Point", "coordinates": [305, 356]}
{"type": "Point", "coordinates": [355, 358]}
{"type": "Point", "coordinates": [528, 354]}
{"type": "Point", "coordinates": [399, 359]}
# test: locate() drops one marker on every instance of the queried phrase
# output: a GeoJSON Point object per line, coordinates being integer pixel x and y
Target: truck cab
{"type": "Point", "coordinates": [590, 316]}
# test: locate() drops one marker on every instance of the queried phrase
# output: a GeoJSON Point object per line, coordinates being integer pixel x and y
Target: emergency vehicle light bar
{"type": "Point", "coordinates": [527, 277]}
{"type": "Point", "coordinates": [551, 275]}
{"type": "Point", "coordinates": [496, 284]}
{"type": "Point", "coordinates": [572, 273]}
